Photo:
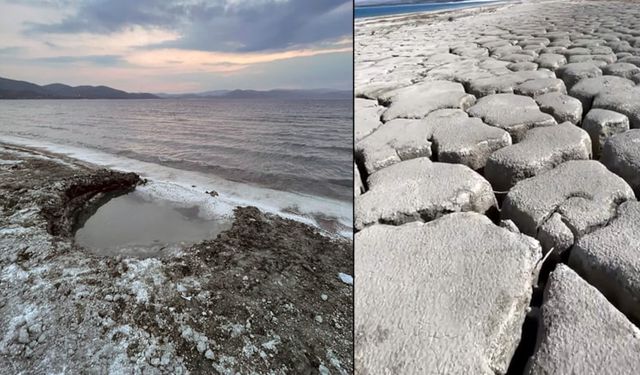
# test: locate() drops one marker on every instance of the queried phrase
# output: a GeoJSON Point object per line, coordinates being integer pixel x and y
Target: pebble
{"type": "Point", "coordinates": [201, 346]}
{"type": "Point", "coordinates": [23, 335]}
{"type": "Point", "coordinates": [209, 354]}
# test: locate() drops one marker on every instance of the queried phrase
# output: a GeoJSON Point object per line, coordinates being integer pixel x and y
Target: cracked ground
{"type": "Point", "coordinates": [497, 161]}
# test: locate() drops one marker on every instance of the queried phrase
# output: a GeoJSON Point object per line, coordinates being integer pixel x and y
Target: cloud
{"type": "Point", "coordinates": [158, 58]}
{"type": "Point", "coordinates": [104, 60]}
{"type": "Point", "coordinates": [178, 45]}
{"type": "Point", "coordinates": [10, 50]}
{"type": "Point", "coordinates": [331, 70]}
{"type": "Point", "coordinates": [215, 25]}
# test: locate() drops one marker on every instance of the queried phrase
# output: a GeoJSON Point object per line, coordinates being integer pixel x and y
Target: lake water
{"type": "Point", "coordinates": [385, 10]}
{"type": "Point", "coordinates": [288, 156]}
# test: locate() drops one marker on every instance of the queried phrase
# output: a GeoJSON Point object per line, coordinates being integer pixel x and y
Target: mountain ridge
{"type": "Point", "coordinates": [266, 94]}
{"type": "Point", "coordinates": [14, 89]}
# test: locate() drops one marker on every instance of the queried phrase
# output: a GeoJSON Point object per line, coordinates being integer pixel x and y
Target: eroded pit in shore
{"type": "Point", "coordinates": [134, 225]}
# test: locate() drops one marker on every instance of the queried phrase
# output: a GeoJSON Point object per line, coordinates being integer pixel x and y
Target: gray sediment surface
{"type": "Point", "coordinates": [436, 295]}
{"type": "Point", "coordinates": [267, 295]}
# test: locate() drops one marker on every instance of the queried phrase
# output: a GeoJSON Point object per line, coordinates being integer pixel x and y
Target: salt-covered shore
{"type": "Point", "coordinates": [264, 296]}
{"type": "Point", "coordinates": [498, 155]}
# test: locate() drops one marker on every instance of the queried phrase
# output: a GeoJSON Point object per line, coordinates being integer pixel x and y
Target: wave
{"type": "Point", "coordinates": [323, 183]}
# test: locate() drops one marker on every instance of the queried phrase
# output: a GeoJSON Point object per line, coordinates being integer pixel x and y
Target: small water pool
{"type": "Point", "coordinates": [134, 225]}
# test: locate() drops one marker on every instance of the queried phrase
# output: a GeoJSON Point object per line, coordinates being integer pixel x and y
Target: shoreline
{"type": "Point", "coordinates": [439, 12]}
{"type": "Point", "coordinates": [248, 300]}
{"type": "Point", "coordinates": [189, 187]}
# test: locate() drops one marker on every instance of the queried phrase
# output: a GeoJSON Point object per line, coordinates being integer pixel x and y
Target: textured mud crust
{"type": "Point", "coordinates": [561, 77]}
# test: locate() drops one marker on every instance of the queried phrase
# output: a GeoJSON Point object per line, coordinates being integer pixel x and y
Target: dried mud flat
{"type": "Point", "coordinates": [497, 162]}
{"type": "Point", "coordinates": [263, 297]}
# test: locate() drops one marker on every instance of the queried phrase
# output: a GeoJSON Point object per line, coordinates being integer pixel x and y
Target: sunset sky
{"type": "Point", "coordinates": [178, 45]}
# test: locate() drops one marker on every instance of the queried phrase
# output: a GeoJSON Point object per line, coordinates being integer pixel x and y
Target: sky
{"type": "Point", "coordinates": [178, 46]}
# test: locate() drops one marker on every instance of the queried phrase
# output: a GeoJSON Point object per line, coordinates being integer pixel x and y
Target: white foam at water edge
{"type": "Point", "coordinates": [176, 186]}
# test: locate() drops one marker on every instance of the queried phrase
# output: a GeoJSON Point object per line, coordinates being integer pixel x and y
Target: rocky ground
{"type": "Point", "coordinates": [264, 297]}
{"type": "Point", "coordinates": [497, 167]}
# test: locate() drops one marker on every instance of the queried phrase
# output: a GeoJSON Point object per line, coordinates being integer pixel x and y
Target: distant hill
{"type": "Point", "coordinates": [314, 94]}
{"type": "Point", "coordinates": [11, 89]}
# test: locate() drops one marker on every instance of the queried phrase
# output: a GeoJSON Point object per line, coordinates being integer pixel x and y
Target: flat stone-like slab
{"type": "Point", "coordinates": [577, 51]}
{"type": "Point", "coordinates": [395, 141]}
{"type": "Point", "coordinates": [621, 154]}
{"type": "Point", "coordinates": [561, 43]}
{"type": "Point", "coordinates": [471, 50]}
{"type": "Point", "coordinates": [536, 87]}
{"type": "Point", "coordinates": [635, 60]}
{"type": "Point", "coordinates": [404, 139]}
{"type": "Point", "coordinates": [572, 73]}
{"type": "Point", "coordinates": [581, 332]}
{"type": "Point", "coordinates": [513, 113]}
{"type": "Point", "coordinates": [441, 59]}
{"type": "Point", "coordinates": [600, 50]}
{"type": "Point", "coordinates": [522, 66]}
{"type": "Point", "coordinates": [551, 61]}
{"type": "Point", "coordinates": [539, 40]}
{"type": "Point", "coordinates": [625, 101]}
{"type": "Point", "coordinates": [366, 117]}
{"type": "Point", "coordinates": [518, 57]}
{"type": "Point", "coordinates": [504, 50]}
{"type": "Point", "coordinates": [431, 300]}
{"type": "Point", "coordinates": [598, 60]}
{"type": "Point", "coordinates": [621, 69]}
{"type": "Point", "coordinates": [553, 50]}
{"type": "Point", "coordinates": [449, 134]}
{"type": "Point", "coordinates": [374, 90]}
{"type": "Point", "coordinates": [562, 107]}
{"type": "Point", "coordinates": [541, 149]}
{"type": "Point", "coordinates": [421, 190]}
{"type": "Point", "coordinates": [419, 100]}
{"type": "Point", "coordinates": [609, 259]}
{"type": "Point", "coordinates": [584, 192]}
{"type": "Point", "coordinates": [498, 46]}
{"type": "Point", "coordinates": [505, 83]}
{"type": "Point", "coordinates": [602, 124]}
{"type": "Point", "coordinates": [589, 88]}
{"type": "Point", "coordinates": [468, 141]}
